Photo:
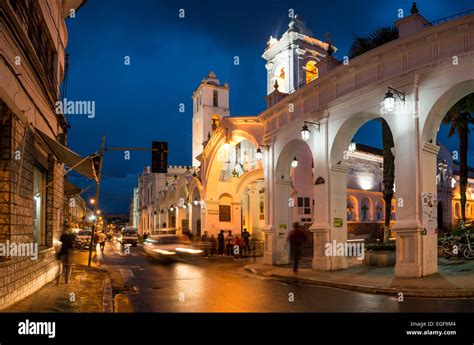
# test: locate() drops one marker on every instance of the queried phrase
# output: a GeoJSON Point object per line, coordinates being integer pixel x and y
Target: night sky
{"type": "Point", "coordinates": [169, 56]}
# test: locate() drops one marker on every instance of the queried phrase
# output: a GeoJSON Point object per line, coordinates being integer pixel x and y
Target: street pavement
{"type": "Point", "coordinates": [223, 285]}
{"type": "Point", "coordinates": [87, 291]}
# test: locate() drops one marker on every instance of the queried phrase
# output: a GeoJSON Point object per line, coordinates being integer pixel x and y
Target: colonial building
{"type": "Point", "coordinates": [295, 162]}
{"type": "Point", "coordinates": [32, 138]}
{"type": "Point", "coordinates": [151, 187]}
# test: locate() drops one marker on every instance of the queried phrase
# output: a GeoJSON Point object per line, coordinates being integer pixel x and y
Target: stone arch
{"type": "Point", "coordinates": [441, 106]}
{"type": "Point", "coordinates": [379, 210]}
{"type": "Point", "coordinates": [216, 161]}
{"type": "Point", "coordinates": [280, 75]}
{"type": "Point", "coordinates": [345, 133]}
{"type": "Point", "coordinates": [366, 209]}
{"type": "Point", "coordinates": [246, 179]}
{"type": "Point", "coordinates": [457, 210]}
{"type": "Point", "coordinates": [352, 208]}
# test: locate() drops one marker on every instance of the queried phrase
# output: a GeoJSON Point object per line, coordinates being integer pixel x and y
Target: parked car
{"type": "Point", "coordinates": [171, 247]}
{"type": "Point", "coordinates": [82, 239]}
{"type": "Point", "coordinates": [128, 236]}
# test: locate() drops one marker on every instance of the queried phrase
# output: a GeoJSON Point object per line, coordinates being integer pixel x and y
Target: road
{"type": "Point", "coordinates": [222, 285]}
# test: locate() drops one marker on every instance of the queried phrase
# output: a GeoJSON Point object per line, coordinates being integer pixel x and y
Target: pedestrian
{"type": "Point", "coordinates": [297, 239]}
{"type": "Point", "coordinates": [145, 236]}
{"type": "Point", "coordinates": [64, 254]}
{"type": "Point", "coordinates": [246, 239]}
{"type": "Point", "coordinates": [102, 239]}
{"type": "Point", "coordinates": [213, 245]}
{"type": "Point", "coordinates": [229, 242]}
{"type": "Point", "coordinates": [205, 243]}
{"type": "Point", "coordinates": [220, 243]}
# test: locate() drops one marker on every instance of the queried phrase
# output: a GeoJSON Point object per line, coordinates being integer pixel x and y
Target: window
{"type": "Point", "coordinates": [39, 205]}
{"type": "Point", "coordinates": [304, 206]}
{"type": "Point", "coordinates": [311, 71]}
{"type": "Point", "coordinates": [215, 97]}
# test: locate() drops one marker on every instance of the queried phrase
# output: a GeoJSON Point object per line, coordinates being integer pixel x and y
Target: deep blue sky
{"type": "Point", "coordinates": [169, 56]}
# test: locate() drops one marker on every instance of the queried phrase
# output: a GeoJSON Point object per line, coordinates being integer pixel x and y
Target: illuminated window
{"type": "Point", "coordinates": [216, 119]}
{"type": "Point", "coordinates": [311, 71]}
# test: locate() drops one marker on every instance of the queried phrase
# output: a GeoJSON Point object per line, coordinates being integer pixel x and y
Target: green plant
{"type": "Point", "coordinates": [381, 246]}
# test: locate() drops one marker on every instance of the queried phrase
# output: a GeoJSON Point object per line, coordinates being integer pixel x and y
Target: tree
{"type": "Point", "coordinates": [375, 39]}
{"type": "Point", "coordinates": [459, 117]}
{"type": "Point", "coordinates": [388, 176]}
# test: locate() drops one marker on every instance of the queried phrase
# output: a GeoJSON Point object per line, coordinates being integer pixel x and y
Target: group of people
{"type": "Point", "coordinates": [226, 242]}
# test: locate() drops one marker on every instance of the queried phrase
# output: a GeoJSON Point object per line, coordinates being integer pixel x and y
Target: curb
{"type": "Point", "coordinates": [458, 293]}
{"type": "Point", "coordinates": [107, 301]}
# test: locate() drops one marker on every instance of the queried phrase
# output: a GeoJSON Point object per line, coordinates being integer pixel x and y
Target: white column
{"type": "Point", "coordinates": [408, 227]}
{"type": "Point", "coordinates": [321, 227]}
{"type": "Point", "coordinates": [269, 228]}
{"type": "Point", "coordinates": [429, 159]}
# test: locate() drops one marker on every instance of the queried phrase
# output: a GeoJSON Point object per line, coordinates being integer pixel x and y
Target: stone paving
{"type": "Point", "coordinates": [455, 278]}
{"type": "Point", "coordinates": [84, 293]}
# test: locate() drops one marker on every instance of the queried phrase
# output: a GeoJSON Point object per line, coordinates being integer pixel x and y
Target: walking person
{"type": "Point", "coordinates": [297, 239]}
{"type": "Point", "coordinates": [246, 239]}
{"type": "Point", "coordinates": [220, 243]}
{"type": "Point", "coordinates": [64, 254]}
{"type": "Point", "coordinates": [102, 240]}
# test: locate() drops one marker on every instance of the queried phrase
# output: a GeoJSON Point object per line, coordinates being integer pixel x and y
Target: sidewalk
{"type": "Point", "coordinates": [89, 290]}
{"type": "Point", "coordinates": [455, 279]}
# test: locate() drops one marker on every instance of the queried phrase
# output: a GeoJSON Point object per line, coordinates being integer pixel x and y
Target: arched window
{"type": "Point", "coordinates": [365, 210]}
{"type": "Point", "coordinates": [379, 210]}
{"type": "Point", "coordinates": [215, 98]}
{"type": "Point", "coordinates": [457, 210]}
{"type": "Point", "coordinates": [216, 119]}
{"type": "Point", "coordinates": [279, 77]}
{"type": "Point", "coordinates": [311, 71]}
{"type": "Point", "coordinates": [352, 208]}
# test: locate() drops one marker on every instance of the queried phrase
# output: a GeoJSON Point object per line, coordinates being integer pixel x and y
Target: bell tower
{"type": "Point", "coordinates": [210, 105]}
{"type": "Point", "coordinates": [291, 60]}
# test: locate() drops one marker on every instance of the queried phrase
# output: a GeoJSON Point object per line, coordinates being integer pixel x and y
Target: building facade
{"type": "Point", "coordinates": [261, 172]}
{"type": "Point", "coordinates": [32, 66]}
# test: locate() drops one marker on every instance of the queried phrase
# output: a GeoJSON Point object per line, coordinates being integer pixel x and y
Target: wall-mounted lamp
{"type": "Point", "coordinates": [305, 132]}
{"type": "Point", "coordinates": [389, 99]}
{"type": "Point", "coordinates": [259, 154]}
{"type": "Point", "coordinates": [294, 163]}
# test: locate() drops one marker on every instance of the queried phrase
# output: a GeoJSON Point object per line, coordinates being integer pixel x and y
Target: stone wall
{"type": "Point", "coordinates": [21, 276]}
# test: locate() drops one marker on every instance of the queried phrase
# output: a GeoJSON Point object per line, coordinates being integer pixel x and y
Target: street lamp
{"type": "Point", "coordinates": [92, 217]}
{"type": "Point", "coordinates": [92, 201]}
{"type": "Point", "coordinates": [352, 147]}
{"type": "Point", "coordinates": [294, 163]}
{"type": "Point", "coordinates": [305, 132]}
{"type": "Point", "coordinates": [389, 99]}
{"type": "Point", "coordinates": [98, 211]}
{"type": "Point", "coordinates": [171, 208]}
{"type": "Point", "coordinates": [259, 154]}
{"type": "Point", "coordinates": [196, 201]}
